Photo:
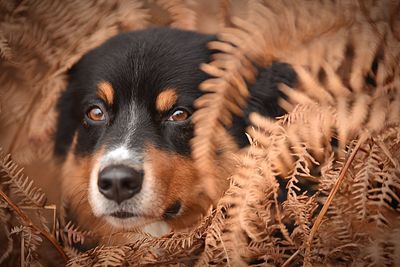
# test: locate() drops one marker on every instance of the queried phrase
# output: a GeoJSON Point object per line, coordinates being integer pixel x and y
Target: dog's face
{"type": "Point", "coordinates": [124, 131]}
{"type": "Point", "coordinates": [124, 128]}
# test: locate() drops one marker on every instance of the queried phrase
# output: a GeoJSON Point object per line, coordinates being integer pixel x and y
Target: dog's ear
{"type": "Point", "coordinates": [68, 118]}
{"type": "Point", "coordinates": [265, 94]}
{"type": "Point", "coordinates": [264, 97]}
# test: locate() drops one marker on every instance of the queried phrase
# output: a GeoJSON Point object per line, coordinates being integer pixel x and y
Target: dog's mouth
{"type": "Point", "coordinates": [123, 214]}
{"type": "Point", "coordinates": [169, 213]}
{"type": "Point", "coordinates": [172, 210]}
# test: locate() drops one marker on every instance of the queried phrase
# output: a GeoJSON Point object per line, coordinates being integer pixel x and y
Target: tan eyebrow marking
{"type": "Point", "coordinates": [166, 100]}
{"type": "Point", "coordinates": [106, 92]}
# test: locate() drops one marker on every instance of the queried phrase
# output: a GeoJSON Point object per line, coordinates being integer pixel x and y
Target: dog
{"type": "Point", "coordinates": [124, 130]}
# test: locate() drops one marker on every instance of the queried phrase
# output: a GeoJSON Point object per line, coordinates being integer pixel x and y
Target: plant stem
{"type": "Point", "coordinates": [29, 223]}
{"type": "Point", "coordinates": [288, 261]}
{"type": "Point", "coordinates": [332, 194]}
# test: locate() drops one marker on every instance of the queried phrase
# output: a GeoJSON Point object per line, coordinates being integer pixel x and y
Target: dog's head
{"type": "Point", "coordinates": [124, 128]}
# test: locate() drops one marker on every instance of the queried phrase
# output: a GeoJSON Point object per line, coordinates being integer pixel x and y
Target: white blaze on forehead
{"type": "Point", "coordinates": [120, 153]}
{"type": "Point", "coordinates": [128, 124]}
{"type": "Point", "coordinates": [133, 118]}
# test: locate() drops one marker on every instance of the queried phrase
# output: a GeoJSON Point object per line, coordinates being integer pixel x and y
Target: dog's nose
{"type": "Point", "coordinates": [119, 182]}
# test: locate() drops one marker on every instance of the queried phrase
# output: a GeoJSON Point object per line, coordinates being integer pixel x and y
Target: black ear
{"type": "Point", "coordinates": [264, 94]}
{"type": "Point", "coordinates": [264, 97]}
{"type": "Point", "coordinates": [68, 119]}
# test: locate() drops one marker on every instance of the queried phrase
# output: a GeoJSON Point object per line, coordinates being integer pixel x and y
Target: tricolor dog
{"type": "Point", "coordinates": [124, 130]}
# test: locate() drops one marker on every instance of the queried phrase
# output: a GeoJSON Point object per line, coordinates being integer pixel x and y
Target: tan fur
{"type": "Point", "coordinates": [106, 92]}
{"type": "Point", "coordinates": [177, 179]}
{"type": "Point", "coordinates": [166, 100]}
{"type": "Point", "coordinates": [75, 182]}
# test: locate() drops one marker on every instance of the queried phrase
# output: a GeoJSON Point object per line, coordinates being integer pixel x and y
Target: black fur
{"type": "Point", "coordinates": [139, 65]}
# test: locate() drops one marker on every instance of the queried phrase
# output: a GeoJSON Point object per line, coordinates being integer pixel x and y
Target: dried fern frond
{"type": "Point", "coordinates": [13, 176]}
{"type": "Point", "coordinates": [143, 249]}
{"type": "Point", "coordinates": [226, 94]}
{"type": "Point", "coordinates": [31, 242]}
{"type": "Point", "coordinates": [201, 16]}
{"type": "Point", "coordinates": [255, 41]}
{"type": "Point", "coordinates": [224, 235]}
{"type": "Point", "coordinates": [21, 188]}
{"type": "Point", "coordinates": [5, 51]}
{"type": "Point", "coordinates": [70, 234]}
{"type": "Point", "coordinates": [340, 230]}
{"type": "Point", "coordinates": [317, 52]}
{"type": "Point", "coordinates": [182, 16]}
{"type": "Point", "coordinates": [7, 245]}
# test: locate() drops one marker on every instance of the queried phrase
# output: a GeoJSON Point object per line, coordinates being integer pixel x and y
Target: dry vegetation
{"type": "Point", "coordinates": [319, 186]}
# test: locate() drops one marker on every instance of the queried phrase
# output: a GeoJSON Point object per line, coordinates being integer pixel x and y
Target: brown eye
{"type": "Point", "coordinates": [95, 114]}
{"type": "Point", "coordinates": [179, 115]}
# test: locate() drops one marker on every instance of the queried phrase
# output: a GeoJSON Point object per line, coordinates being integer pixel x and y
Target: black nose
{"type": "Point", "coordinates": [119, 182]}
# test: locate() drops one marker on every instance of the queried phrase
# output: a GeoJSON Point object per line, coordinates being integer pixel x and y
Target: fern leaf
{"type": "Point", "coordinates": [110, 257]}
{"type": "Point", "coordinates": [71, 252]}
{"type": "Point", "coordinates": [395, 241]}
{"type": "Point", "coordinates": [375, 253]}
{"type": "Point", "coordinates": [5, 50]}
{"type": "Point", "coordinates": [71, 234]}
{"type": "Point", "coordinates": [7, 244]}
{"type": "Point", "coordinates": [31, 242]}
{"type": "Point", "coordinates": [182, 16]}
{"type": "Point", "coordinates": [20, 184]}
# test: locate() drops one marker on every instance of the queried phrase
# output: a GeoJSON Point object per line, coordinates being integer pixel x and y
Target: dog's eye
{"type": "Point", "coordinates": [179, 115]}
{"type": "Point", "coordinates": [95, 114]}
